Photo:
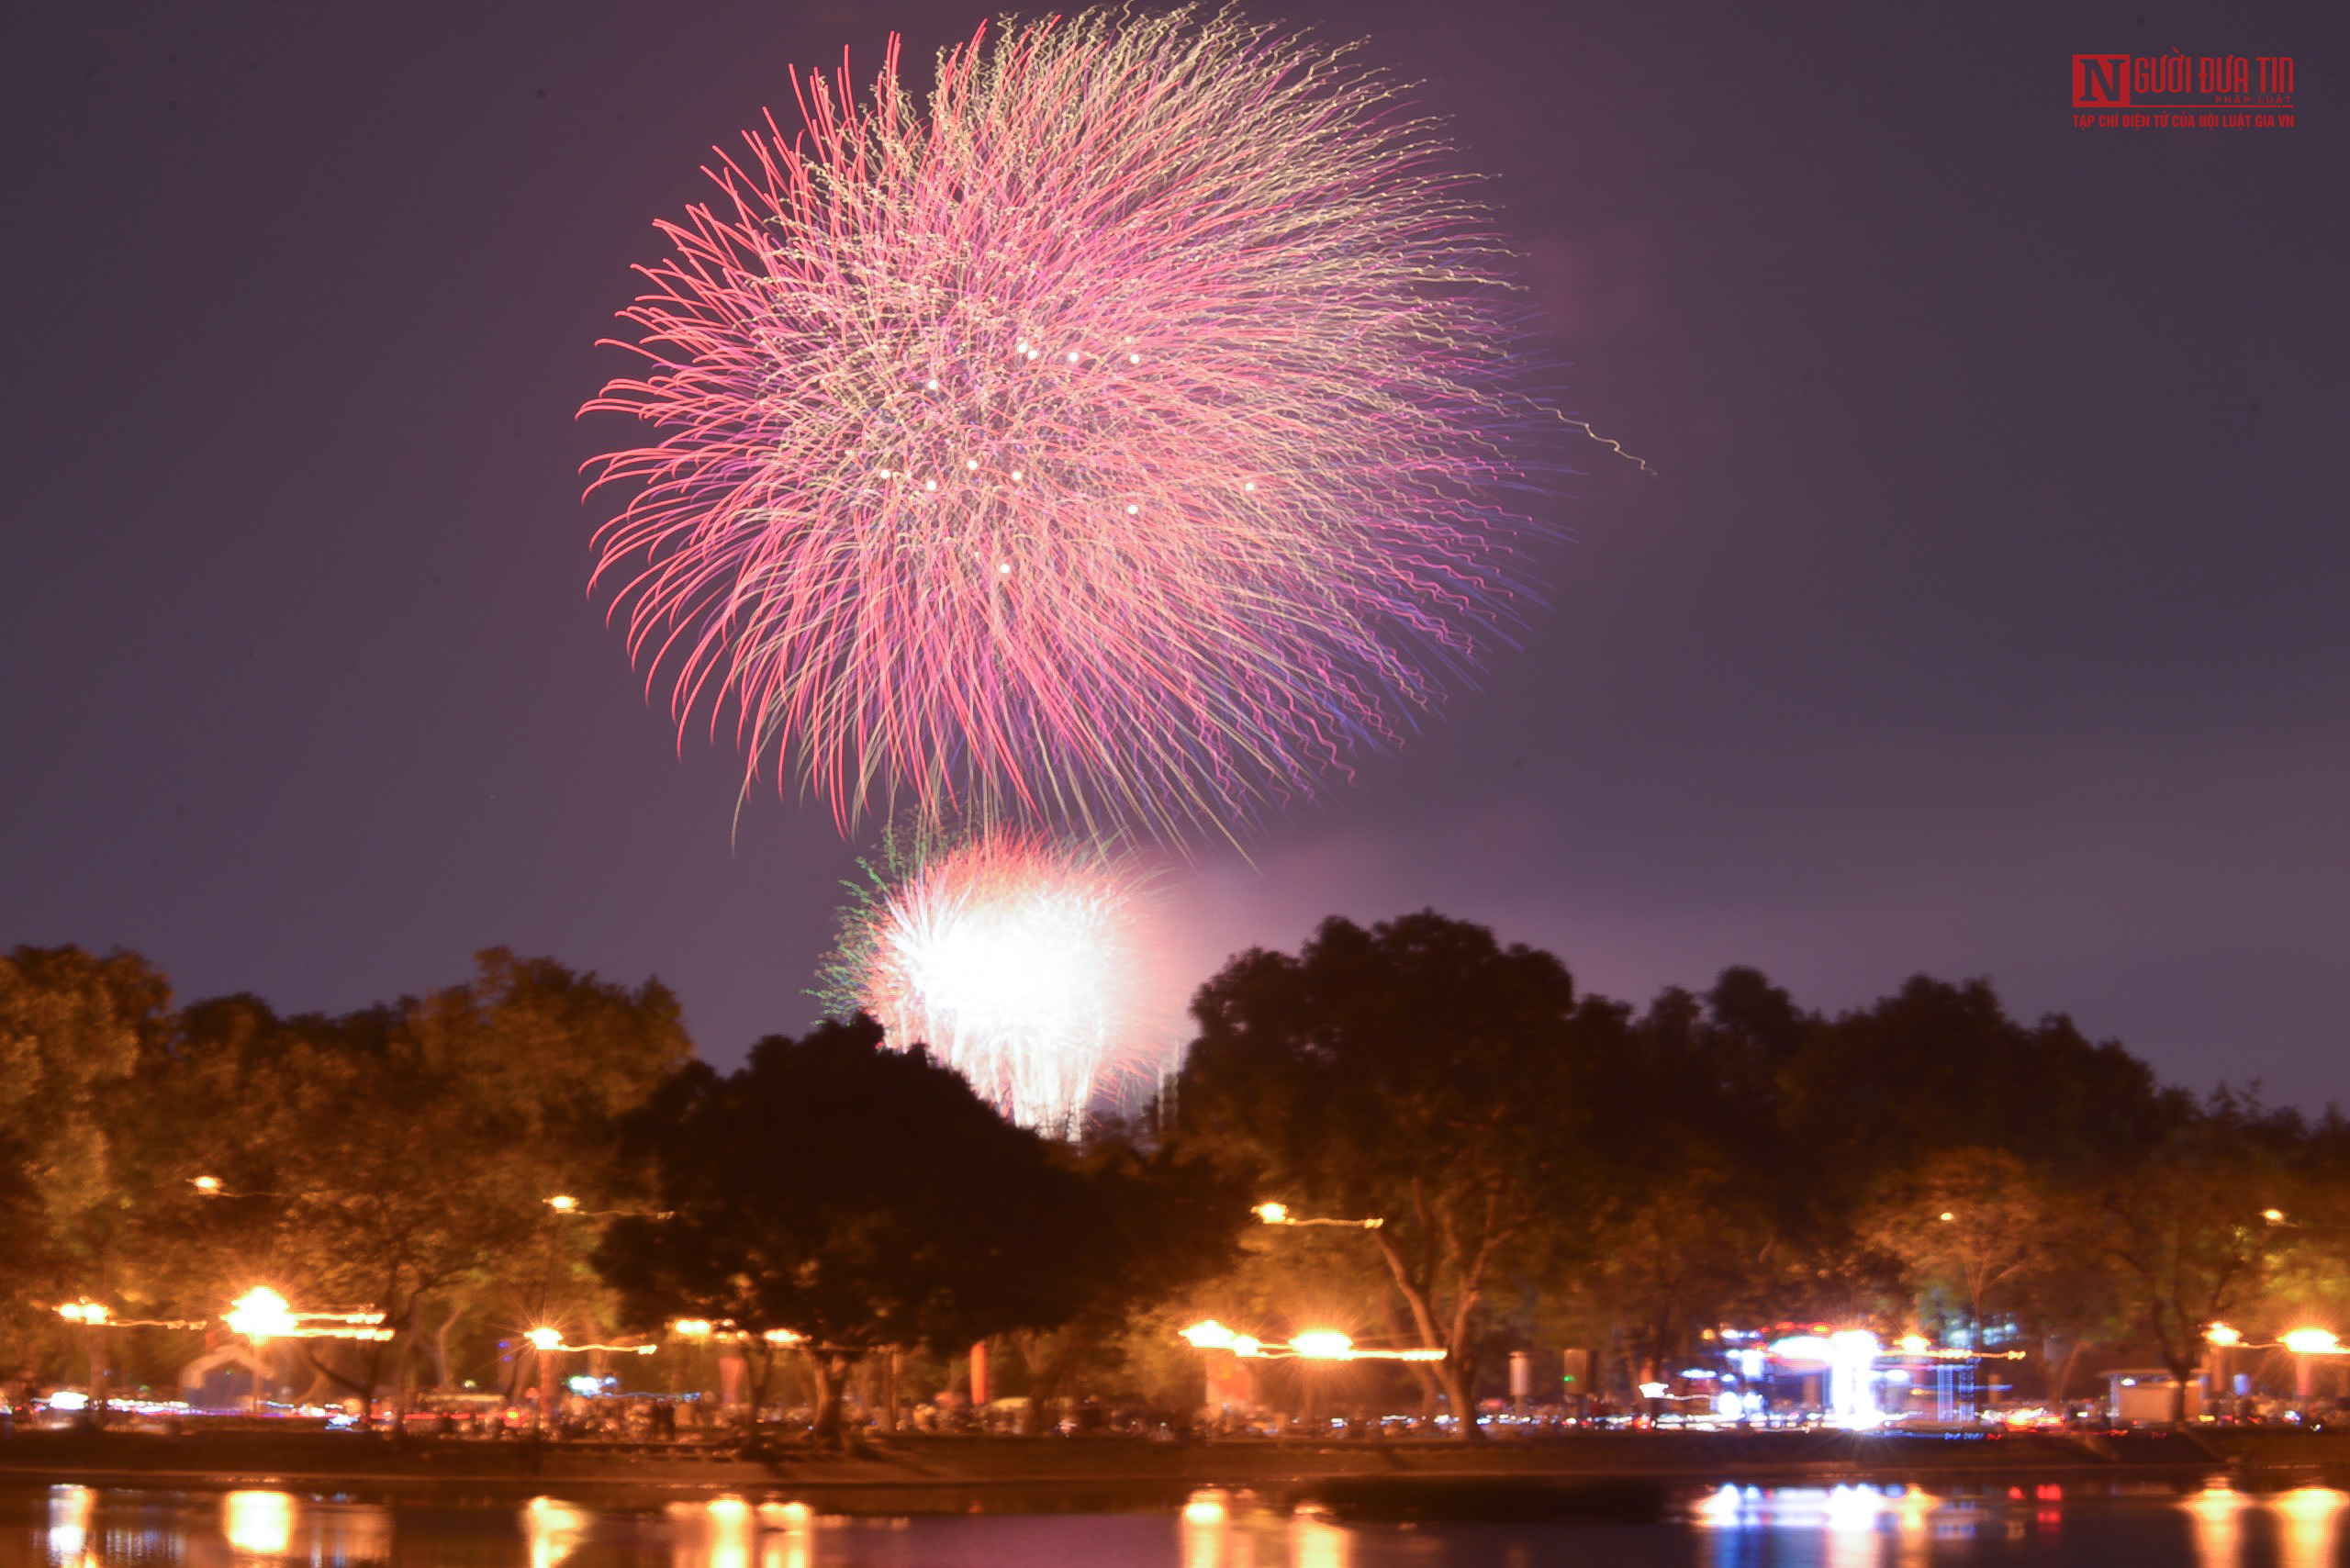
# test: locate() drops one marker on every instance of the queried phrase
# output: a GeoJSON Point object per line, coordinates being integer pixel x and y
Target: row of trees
{"type": "Point", "coordinates": [1554, 1168]}
{"type": "Point", "coordinates": [401, 1160]}
{"type": "Point", "coordinates": [1549, 1167]}
{"type": "Point", "coordinates": [395, 1159]}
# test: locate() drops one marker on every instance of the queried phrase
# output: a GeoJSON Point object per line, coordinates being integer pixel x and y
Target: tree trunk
{"type": "Point", "coordinates": [758, 1366]}
{"type": "Point", "coordinates": [1455, 1377]}
{"type": "Point", "coordinates": [828, 1371]}
{"type": "Point", "coordinates": [1460, 1386]}
{"type": "Point", "coordinates": [2057, 1371]}
{"type": "Point", "coordinates": [440, 1378]}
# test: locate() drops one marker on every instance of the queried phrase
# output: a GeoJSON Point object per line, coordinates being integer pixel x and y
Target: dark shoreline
{"type": "Point", "coordinates": [1572, 1473]}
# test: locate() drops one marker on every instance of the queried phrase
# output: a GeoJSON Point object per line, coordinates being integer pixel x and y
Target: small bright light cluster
{"type": "Point", "coordinates": [1310, 1344]}
{"type": "Point", "coordinates": [260, 1314]}
{"type": "Point", "coordinates": [1016, 962]}
{"type": "Point", "coordinates": [1125, 440]}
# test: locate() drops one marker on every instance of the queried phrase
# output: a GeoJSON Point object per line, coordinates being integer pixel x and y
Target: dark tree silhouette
{"type": "Point", "coordinates": [1418, 1073]}
{"type": "Point", "coordinates": [860, 1198]}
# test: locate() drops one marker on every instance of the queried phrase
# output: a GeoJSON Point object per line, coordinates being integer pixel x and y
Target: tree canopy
{"type": "Point", "coordinates": [1418, 1073]}
{"type": "Point", "coordinates": [853, 1197]}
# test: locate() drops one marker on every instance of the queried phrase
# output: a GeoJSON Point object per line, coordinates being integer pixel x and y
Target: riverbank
{"type": "Point", "coordinates": [1145, 1471]}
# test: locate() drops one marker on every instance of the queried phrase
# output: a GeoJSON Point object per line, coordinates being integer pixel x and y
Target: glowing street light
{"type": "Point", "coordinates": [544, 1339]}
{"type": "Point", "coordinates": [2222, 1335]}
{"type": "Point", "coordinates": [1315, 1344]}
{"type": "Point", "coordinates": [565, 1204]}
{"type": "Point", "coordinates": [261, 1315]}
{"type": "Point", "coordinates": [1210, 1336]}
{"type": "Point", "coordinates": [1278, 1213]}
{"type": "Point", "coordinates": [213, 1187]}
{"type": "Point", "coordinates": [94, 1318]}
{"type": "Point", "coordinates": [2306, 1344]}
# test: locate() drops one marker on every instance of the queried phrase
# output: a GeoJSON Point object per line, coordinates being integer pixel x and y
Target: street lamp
{"type": "Point", "coordinates": [2306, 1344]}
{"type": "Point", "coordinates": [565, 1204]}
{"type": "Point", "coordinates": [212, 1187]}
{"type": "Point", "coordinates": [2221, 1337]}
{"type": "Point", "coordinates": [94, 1319]}
{"type": "Point", "coordinates": [1209, 1335]}
{"type": "Point", "coordinates": [1278, 1213]}
{"type": "Point", "coordinates": [260, 1314]}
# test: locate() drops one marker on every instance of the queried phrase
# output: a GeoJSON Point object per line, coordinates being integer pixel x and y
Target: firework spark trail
{"type": "Point", "coordinates": [1021, 964]}
{"type": "Point", "coordinates": [1121, 441]}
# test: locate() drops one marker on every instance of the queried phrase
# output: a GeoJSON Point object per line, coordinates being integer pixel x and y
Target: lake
{"type": "Point", "coordinates": [1857, 1526]}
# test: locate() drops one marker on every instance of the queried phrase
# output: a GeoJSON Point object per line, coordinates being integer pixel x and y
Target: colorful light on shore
{"type": "Point", "coordinates": [1128, 438]}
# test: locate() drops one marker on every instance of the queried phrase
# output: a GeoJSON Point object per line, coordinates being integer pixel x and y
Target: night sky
{"type": "Point", "coordinates": [1986, 617]}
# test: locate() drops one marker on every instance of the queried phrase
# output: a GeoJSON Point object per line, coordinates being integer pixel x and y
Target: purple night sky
{"type": "Point", "coordinates": [1985, 619]}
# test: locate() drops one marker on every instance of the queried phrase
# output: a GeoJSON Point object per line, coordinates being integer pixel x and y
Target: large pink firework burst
{"type": "Point", "coordinates": [1024, 965]}
{"type": "Point", "coordinates": [1122, 440]}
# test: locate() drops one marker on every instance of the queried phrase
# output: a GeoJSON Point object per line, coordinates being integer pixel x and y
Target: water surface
{"type": "Point", "coordinates": [2213, 1526]}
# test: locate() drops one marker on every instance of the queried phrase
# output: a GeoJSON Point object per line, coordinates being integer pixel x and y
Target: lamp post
{"type": "Point", "coordinates": [1312, 1344]}
{"type": "Point", "coordinates": [260, 1314]}
{"type": "Point", "coordinates": [695, 1332]}
{"type": "Point", "coordinates": [94, 1319]}
{"type": "Point", "coordinates": [2306, 1345]}
{"type": "Point", "coordinates": [1313, 1347]}
{"type": "Point", "coordinates": [2221, 1338]}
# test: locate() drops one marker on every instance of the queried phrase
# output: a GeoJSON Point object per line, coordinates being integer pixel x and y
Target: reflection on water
{"type": "Point", "coordinates": [792, 1546]}
{"type": "Point", "coordinates": [2215, 1511]}
{"type": "Point", "coordinates": [269, 1526]}
{"type": "Point", "coordinates": [1315, 1542]}
{"type": "Point", "coordinates": [2312, 1526]}
{"type": "Point", "coordinates": [729, 1532]}
{"type": "Point", "coordinates": [553, 1530]}
{"type": "Point", "coordinates": [1850, 1526]}
{"type": "Point", "coordinates": [69, 1527]}
{"type": "Point", "coordinates": [1857, 1526]}
{"type": "Point", "coordinates": [259, 1524]}
{"type": "Point", "coordinates": [1866, 1526]}
{"type": "Point", "coordinates": [1207, 1519]}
